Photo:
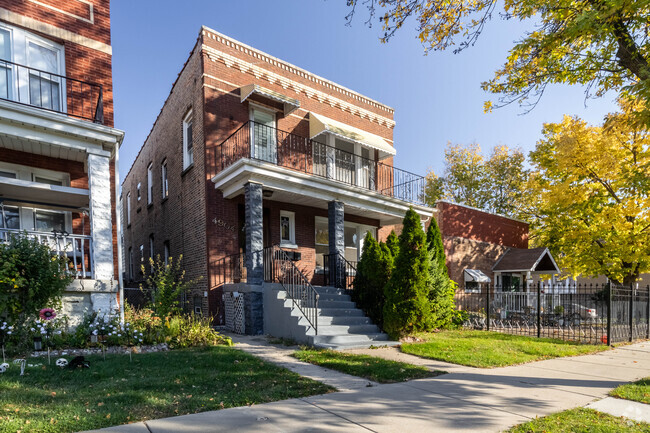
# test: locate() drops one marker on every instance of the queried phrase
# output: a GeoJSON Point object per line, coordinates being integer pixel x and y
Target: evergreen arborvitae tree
{"type": "Point", "coordinates": [373, 271]}
{"type": "Point", "coordinates": [441, 291]}
{"type": "Point", "coordinates": [407, 308]}
{"type": "Point", "coordinates": [392, 242]}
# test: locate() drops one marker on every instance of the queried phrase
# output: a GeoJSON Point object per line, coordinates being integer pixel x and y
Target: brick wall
{"type": "Point", "coordinates": [179, 219]}
{"type": "Point", "coordinates": [463, 253]}
{"type": "Point", "coordinates": [469, 223]}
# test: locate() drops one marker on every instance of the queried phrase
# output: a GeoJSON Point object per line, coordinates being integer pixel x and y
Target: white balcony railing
{"type": "Point", "coordinates": [77, 248]}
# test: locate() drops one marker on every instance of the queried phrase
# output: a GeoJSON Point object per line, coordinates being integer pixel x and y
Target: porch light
{"type": "Point", "coordinates": [38, 343]}
{"type": "Point", "coordinates": [267, 193]}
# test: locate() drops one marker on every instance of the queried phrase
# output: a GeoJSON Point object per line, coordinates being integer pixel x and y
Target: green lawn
{"type": "Point", "coordinates": [492, 349]}
{"type": "Point", "coordinates": [637, 391]}
{"type": "Point", "coordinates": [370, 367]}
{"type": "Point", "coordinates": [154, 385]}
{"type": "Point", "coordinates": [581, 421]}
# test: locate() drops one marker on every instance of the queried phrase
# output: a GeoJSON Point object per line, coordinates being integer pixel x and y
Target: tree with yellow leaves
{"type": "Point", "coordinates": [602, 44]}
{"type": "Point", "coordinates": [591, 186]}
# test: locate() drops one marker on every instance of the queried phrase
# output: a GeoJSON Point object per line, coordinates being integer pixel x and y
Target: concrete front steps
{"type": "Point", "coordinates": [341, 325]}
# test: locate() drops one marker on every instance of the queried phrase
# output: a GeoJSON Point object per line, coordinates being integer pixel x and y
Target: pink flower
{"type": "Point", "coordinates": [47, 314]}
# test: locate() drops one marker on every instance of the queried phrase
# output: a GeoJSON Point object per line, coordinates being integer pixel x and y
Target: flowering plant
{"type": "Point", "coordinates": [47, 314]}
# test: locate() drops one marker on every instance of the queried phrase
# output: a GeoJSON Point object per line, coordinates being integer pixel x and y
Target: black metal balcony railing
{"type": "Point", "coordinates": [264, 143]}
{"type": "Point", "coordinates": [52, 92]}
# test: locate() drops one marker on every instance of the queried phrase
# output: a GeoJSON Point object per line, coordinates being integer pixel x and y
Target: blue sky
{"type": "Point", "coordinates": [437, 98]}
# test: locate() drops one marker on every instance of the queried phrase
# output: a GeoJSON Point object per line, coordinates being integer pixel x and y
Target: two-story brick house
{"type": "Point", "coordinates": [58, 147]}
{"type": "Point", "coordinates": [256, 168]}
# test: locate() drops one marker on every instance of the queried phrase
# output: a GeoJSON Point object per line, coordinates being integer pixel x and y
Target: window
{"type": "Point", "coordinates": [49, 181]}
{"type": "Point", "coordinates": [141, 258]}
{"type": "Point", "coordinates": [10, 217]}
{"type": "Point", "coordinates": [47, 221]}
{"type": "Point", "coordinates": [151, 253]}
{"type": "Point", "coordinates": [128, 209]}
{"type": "Point", "coordinates": [322, 241]}
{"type": "Point", "coordinates": [44, 84]}
{"type": "Point", "coordinates": [163, 178]}
{"type": "Point", "coordinates": [9, 174]}
{"type": "Point", "coordinates": [139, 196]}
{"type": "Point", "coordinates": [131, 274]}
{"type": "Point", "coordinates": [150, 183]}
{"type": "Point", "coordinates": [188, 142]}
{"type": "Point", "coordinates": [166, 244]}
{"type": "Point", "coordinates": [353, 235]}
{"type": "Point", "coordinates": [287, 228]}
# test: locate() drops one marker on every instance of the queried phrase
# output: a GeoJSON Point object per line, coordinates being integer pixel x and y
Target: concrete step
{"type": "Point", "coordinates": [333, 297]}
{"type": "Point", "coordinates": [336, 304]}
{"type": "Point", "coordinates": [343, 320]}
{"type": "Point", "coordinates": [347, 329]}
{"type": "Point", "coordinates": [348, 338]}
{"type": "Point", "coordinates": [348, 346]}
{"type": "Point", "coordinates": [350, 312]}
{"type": "Point", "coordinates": [329, 290]}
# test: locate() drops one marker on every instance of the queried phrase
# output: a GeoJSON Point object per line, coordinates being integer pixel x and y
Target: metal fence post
{"type": "Point", "coordinates": [647, 313]}
{"type": "Point", "coordinates": [631, 319]}
{"type": "Point", "coordinates": [609, 313]}
{"type": "Point", "coordinates": [487, 307]}
{"type": "Point", "coordinates": [539, 309]}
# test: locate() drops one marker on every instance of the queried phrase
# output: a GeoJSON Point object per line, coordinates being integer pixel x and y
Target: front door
{"type": "Point", "coordinates": [263, 133]}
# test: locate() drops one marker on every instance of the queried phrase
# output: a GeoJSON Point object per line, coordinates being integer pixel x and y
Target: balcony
{"type": "Point", "coordinates": [52, 92]}
{"type": "Point", "coordinates": [267, 145]}
{"type": "Point", "coordinates": [77, 248]}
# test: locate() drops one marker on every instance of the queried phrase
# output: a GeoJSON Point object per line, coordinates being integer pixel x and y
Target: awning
{"type": "Point", "coordinates": [476, 276]}
{"type": "Point", "coordinates": [320, 124]}
{"type": "Point", "coordinates": [290, 104]}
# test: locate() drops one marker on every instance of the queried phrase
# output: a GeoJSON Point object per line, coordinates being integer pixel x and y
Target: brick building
{"type": "Point", "coordinates": [58, 147]}
{"type": "Point", "coordinates": [251, 152]}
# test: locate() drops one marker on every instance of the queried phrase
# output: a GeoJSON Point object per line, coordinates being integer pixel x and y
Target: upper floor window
{"type": "Point", "coordinates": [150, 183]}
{"type": "Point", "coordinates": [188, 142]}
{"type": "Point", "coordinates": [167, 253]}
{"type": "Point", "coordinates": [163, 178]}
{"type": "Point", "coordinates": [31, 69]}
{"type": "Point", "coordinates": [131, 273]}
{"type": "Point", "coordinates": [137, 190]}
{"type": "Point", "coordinates": [128, 209]}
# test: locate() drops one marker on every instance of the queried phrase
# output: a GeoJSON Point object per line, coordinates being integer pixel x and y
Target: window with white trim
{"type": "Point", "coordinates": [166, 245]}
{"type": "Point", "coordinates": [128, 209]}
{"type": "Point", "coordinates": [287, 228]}
{"type": "Point", "coordinates": [150, 183]}
{"type": "Point", "coordinates": [188, 141]}
{"type": "Point", "coordinates": [131, 274]}
{"type": "Point", "coordinates": [137, 190]}
{"type": "Point", "coordinates": [163, 179]}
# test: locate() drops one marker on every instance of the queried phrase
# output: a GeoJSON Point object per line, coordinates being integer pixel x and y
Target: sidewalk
{"type": "Point", "coordinates": [476, 400]}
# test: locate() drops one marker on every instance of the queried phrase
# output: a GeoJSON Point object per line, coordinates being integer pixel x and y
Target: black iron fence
{"type": "Point", "coordinates": [50, 91]}
{"type": "Point", "coordinates": [338, 271]}
{"type": "Point", "coordinates": [264, 143]}
{"type": "Point", "coordinates": [606, 313]}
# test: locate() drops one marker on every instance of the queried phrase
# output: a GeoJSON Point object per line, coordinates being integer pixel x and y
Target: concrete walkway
{"type": "Point", "coordinates": [476, 400]}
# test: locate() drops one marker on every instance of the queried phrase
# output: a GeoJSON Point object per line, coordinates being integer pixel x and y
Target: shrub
{"type": "Point", "coordinates": [442, 289]}
{"type": "Point", "coordinates": [392, 242]}
{"type": "Point", "coordinates": [407, 308]}
{"type": "Point", "coordinates": [31, 278]}
{"type": "Point", "coordinates": [373, 272]}
{"type": "Point", "coordinates": [192, 331]}
{"type": "Point", "coordinates": [167, 285]}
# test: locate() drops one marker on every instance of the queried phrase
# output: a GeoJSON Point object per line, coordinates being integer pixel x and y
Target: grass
{"type": "Point", "coordinates": [370, 367]}
{"type": "Point", "coordinates": [636, 391]}
{"type": "Point", "coordinates": [492, 349]}
{"type": "Point", "coordinates": [154, 385]}
{"type": "Point", "coordinates": [581, 421]}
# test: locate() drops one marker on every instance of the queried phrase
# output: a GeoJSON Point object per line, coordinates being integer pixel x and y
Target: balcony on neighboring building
{"type": "Point", "coordinates": [289, 163]}
{"type": "Point", "coordinates": [52, 92]}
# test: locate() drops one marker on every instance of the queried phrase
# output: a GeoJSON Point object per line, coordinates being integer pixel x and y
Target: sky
{"type": "Point", "coordinates": [437, 97]}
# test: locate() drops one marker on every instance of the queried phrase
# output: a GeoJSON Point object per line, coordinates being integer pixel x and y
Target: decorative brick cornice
{"type": "Point", "coordinates": [287, 83]}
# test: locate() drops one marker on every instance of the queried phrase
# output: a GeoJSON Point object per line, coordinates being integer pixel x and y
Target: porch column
{"type": "Point", "coordinates": [335, 216]}
{"type": "Point", "coordinates": [99, 186]}
{"type": "Point", "coordinates": [254, 233]}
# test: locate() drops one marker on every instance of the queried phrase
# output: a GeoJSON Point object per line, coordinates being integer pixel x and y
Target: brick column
{"type": "Point", "coordinates": [335, 216]}
{"type": "Point", "coordinates": [254, 233]}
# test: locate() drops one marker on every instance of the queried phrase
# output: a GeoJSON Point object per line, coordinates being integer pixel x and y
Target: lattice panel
{"type": "Point", "coordinates": [234, 303]}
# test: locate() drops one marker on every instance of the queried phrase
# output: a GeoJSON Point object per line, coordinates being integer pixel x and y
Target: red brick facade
{"type": "Point", "coordinates": [83, 29]}
{"type": "Point", "coordinates": [195, 219]}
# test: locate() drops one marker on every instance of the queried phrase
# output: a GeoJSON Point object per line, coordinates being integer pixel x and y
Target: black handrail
{"type": "Point", "coordinates": [264, 143]}
{"type": "Point", "coordinates": [338, 271]}
{"type": "Point", "coordinates": [52, 92]}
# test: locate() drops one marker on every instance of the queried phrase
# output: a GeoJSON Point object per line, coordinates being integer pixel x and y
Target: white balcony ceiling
{"type": "Point", "coordinates": [20, 191]}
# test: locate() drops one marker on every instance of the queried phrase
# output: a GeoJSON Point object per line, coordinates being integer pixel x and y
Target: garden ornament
{"type": "Point", "coordinates": [61, 362]}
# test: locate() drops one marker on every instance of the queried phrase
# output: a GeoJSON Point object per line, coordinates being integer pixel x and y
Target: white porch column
{"type": "Point", "coordinates": [99, 185]}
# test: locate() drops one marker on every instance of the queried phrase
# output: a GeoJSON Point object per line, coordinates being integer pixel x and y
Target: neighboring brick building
{"type": "Point", "coordinates": [58, 147]}
{"type": "Point", "coordinates": [475, 239]}
{"type": "Point", "coordinates": [246, 137]}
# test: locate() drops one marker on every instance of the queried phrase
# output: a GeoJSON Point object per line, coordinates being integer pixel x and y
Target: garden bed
{"type": "Point", "coordinates": [152, 385]}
